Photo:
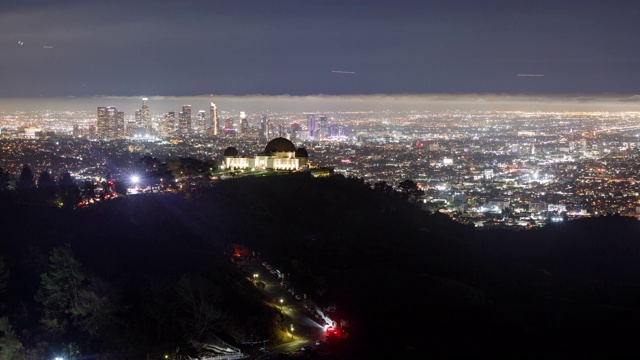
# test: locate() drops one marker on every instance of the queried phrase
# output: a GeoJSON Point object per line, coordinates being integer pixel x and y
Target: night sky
{"type": "Point", "coordinates": [300, 47]}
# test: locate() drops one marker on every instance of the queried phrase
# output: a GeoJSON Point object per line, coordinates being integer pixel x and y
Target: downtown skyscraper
{"type": "Point", "coordinates": [110, 123]}
{"type": "Point", "coordinates": [323, 127]}
{"type": "Point", "coordinates": [243, 127]}
{"type": "Point", "coordinates": [213, 114]}
{"type": "Point", "coordinates": [184, 121]}
{"type": "Point", "coordinates": [201, 122]}
{"type": "Point", "coordinates": [145, 116]}
{"type": "Point", "coordinates": [263, 129]}
{"type": "Point", "coordinates": [168, 124]}
{"type": "Point", "coordinates": [311, 125]}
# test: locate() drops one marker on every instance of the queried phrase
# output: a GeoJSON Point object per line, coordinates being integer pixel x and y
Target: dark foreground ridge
{"type": "Point", "coordinates": [408, 284]}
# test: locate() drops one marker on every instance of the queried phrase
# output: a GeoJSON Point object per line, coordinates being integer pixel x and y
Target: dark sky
{"type": "Point", "coordinates": [300, 47]}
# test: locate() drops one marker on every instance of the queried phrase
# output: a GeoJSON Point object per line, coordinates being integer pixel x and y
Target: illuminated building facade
{"type": "Point", "coordinates": [244, 124]}
{"type": "Point", "coordinates": [201, 122]}
{"type": "Point", "coordinates": [110, 123]}
{"type": "Point", "coordinates": [167, 127]}
{"type": "Point", "coordinates": [263, 129]}
{"type": "Point", "coordinates": [323, 127]}
{"type": "Point", "coordinates": [145, 116]}
{"type": "Point", "coordinates": [279, 154]}
{"type": "Point", "coordinates": [311, 125]}
{"type": "Point", "coordinates": [213, 125]}
{"type": "Point", "coordinates": [184, 121]}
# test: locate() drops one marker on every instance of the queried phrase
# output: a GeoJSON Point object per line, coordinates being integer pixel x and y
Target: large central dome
{"type": "Point", "coordinates": [280, 145]}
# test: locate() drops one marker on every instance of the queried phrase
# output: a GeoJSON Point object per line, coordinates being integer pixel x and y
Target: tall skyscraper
{"type": "Point", "coordinates": [323, 126]}
{"type": "Point", "coordinates": [110, 123]}
{"type": "Point", "coordinates": [168, 125]}
{"type": "Point", "coordinates": [295, 130]}
{"type": "Point", "coordinates": [311, 125]}
{"type": "Point", "coordinates": [146, 116]}
{"type": "Point", "coordinates": [119, 125]}
{"type": "Point", "coordinates": [263, 129]}
{"type": "Point", "coordinates": [103, 122]}
{"type": "Point", "coordinates": [244, 124]}
{"type": "Point", "coordinates": [184, 121]}
{"type": "Point", "coordinates": [138, 118]}
{"type": "Point", "coordinates": [201, 122]}
{"type": "Point", "coordinates": [213, 113]}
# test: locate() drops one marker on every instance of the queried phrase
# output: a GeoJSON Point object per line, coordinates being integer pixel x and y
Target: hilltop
{"type": "Point", "coordinates": [407, 283]}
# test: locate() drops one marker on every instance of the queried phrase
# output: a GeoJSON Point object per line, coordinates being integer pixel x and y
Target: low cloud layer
{"type": "Point", "coordinates": [254, 104]}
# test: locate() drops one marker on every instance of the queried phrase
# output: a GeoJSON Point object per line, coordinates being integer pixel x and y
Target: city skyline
{"type": "Point", "coordinates": [262, 104]}
{"type": "Point", "coordinates": [302, 48]}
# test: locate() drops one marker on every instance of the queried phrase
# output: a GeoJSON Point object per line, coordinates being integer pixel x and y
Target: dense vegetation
{"type": "Point", "coordinates": [141, 274]}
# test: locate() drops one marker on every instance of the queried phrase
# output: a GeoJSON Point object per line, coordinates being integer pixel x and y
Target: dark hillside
{"type": "Point", "coordinates": [406, 283]}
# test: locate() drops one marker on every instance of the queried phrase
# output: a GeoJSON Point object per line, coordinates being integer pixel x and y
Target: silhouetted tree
{"type": "Point", "coordinates": [25, 187]}
{"type": "Point", "coordinates": [383, 188]}
{"type": "Point", "coordinates": [5, 180]}
{"type": "Point", "coordinates": [60, 288]}
{"type": "Point", "coordinates": [97, 309]}
{"type": "Point", "coordinates": [411, 189]}
{"type": "Point", "coordinates": [199, 298]}
{"type": "Point", "coordinates": [10, 345]}
{"type": "Point", "coordinates": [69, 191]}
{"type": "Point", "coordinates": [47, 189]}
{"type": "Point", "coordinates": [191, 170]}
{"type": "Point", "coordinates": [4, 275]}
{"type": "Point", "coordinates": [120, 187]}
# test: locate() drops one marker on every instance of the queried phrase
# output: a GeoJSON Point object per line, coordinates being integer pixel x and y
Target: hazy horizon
{"type": "Point", "coordinates": [334, 103]}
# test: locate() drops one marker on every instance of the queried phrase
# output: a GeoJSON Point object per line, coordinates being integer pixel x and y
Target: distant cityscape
{"type": "Point", "coordinates": [512, 169]}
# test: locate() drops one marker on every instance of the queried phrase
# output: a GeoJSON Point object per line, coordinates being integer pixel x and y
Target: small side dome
{"type": "Point", "coordinates": [280, 145]}
{"type": "Point", "coordinates": [230, 151]}
{"type": "Point", "coordinates": [302, 153]}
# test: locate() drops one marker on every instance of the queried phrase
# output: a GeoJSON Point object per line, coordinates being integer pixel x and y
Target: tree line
{"type": "Point", "coordinates": [64, 190]}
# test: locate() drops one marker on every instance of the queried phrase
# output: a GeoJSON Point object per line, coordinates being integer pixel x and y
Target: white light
{"type": "Point", "coordinates": [135, 179]}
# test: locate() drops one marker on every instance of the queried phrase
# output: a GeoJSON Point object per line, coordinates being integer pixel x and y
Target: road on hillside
{"type": "Point", "coordinates": [305, 330]}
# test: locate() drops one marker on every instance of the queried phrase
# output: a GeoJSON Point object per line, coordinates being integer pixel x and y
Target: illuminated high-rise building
{"type": "Point", "coordinates": [244, 124]}
{"type": "Point", "coordinates": [119, 125]}
{"type": "Point", "coordinates": [138, 118]}
{"type": "Point", "coordinates": [110, 123]}
{"type": "Point", "coordinates": [145, 116]}
{"type": "Point", "coordinates": [323, 127]}
{"type": "Point", "coordinates": [263, 129]}
{"type": "Point", "coordinates": [103, 122]}
{"type": "Point", "coordinates": [311, 125]}
{"type": "Point", "coordinates": [184, 121]}
{"type": "Point", "coordinates": [295, 129]}
{"type": "Point", "coordinates": [213, 113]}
{"type": "Point", "coordinates": [201, 122]}
{"type": "Point", "coordinates": [168, 125]}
